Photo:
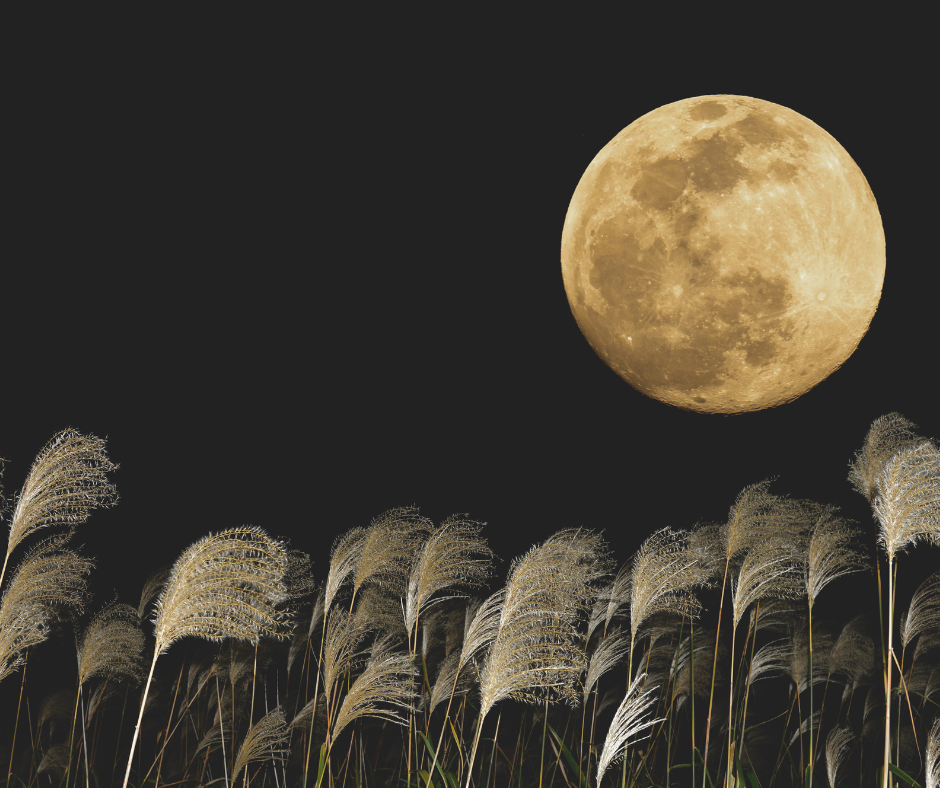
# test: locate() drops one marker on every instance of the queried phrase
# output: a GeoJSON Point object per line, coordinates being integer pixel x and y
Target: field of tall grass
{"type": "Point", "coordinates": [403, 660]}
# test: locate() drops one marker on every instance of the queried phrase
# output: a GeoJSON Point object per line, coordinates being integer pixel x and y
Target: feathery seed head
{"type": "Point", "coordinates": [112, 645]}
{"type": "Point", "coordinates": [48, 580]}
{"type": "Point", "coordinates": [535, 651]}
{"type": "Point", "coordinates": [771, 568]}
{"type": "Point", "coordinates": [924, 611]}
{"type": "Point", "coordinates": [386, 680]}
{"type": "Point", "coordinates": [664, 573]}
{"type": "Point", "coordinates": [454, 555]}
{"type": "Point", "coordinates": [907, 503]}
{"type": "Point", "coordinates": [152, 587]}
{"type": "Point", "coordinates": [65, 482]}
{"type": "Point", "coordinates": [388, 548]}
{"type": "Point", "coordinates": [887, 435]}
{"type": "Point", "coordinates": [267, 738]}
{"type": "Point", "coordinates": [229, 584]}
{"type": "Point", "coordinates": [831, 553]}
{"type": "Point", "coordinates": [629, 721]}
{"type": "Point", "coordinates": [933, 756]}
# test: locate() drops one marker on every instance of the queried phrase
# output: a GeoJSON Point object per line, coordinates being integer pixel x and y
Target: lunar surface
{"type": "Point", "coordinates": [723, 254]}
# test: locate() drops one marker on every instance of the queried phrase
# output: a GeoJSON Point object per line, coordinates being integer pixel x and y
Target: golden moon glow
{"type": "Point", "coordinates": [723, 254]}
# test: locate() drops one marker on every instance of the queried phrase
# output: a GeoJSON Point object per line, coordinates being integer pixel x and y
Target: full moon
{"type": "Point", "coordinates": [723, 254]}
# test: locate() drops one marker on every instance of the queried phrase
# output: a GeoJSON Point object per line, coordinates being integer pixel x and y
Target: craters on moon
{"type": "Point", "coordinates": [695, 246]}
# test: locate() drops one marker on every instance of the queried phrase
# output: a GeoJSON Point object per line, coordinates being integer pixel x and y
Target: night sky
{"type": "Point", "coordinates": [296, 286]}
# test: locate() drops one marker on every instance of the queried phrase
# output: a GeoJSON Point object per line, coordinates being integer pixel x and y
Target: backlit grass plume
{"type": "Point", "coordinates": [229, 584]}
{"type": "Point", "coordinates": [65, 482]}
{"type": "Point", "coordinates": [664, 572]}
{"type": "Point", "coordinates": [111, 645]}
{"type": "Point", "coordinates": [454, 555]}
{"type": "Point", "coordinates": [831, 553]}
{"type": "Point", "coordinates": [923, 614]}
{"type": "Point", "coordinates": [388, 548]}
{"type": "Point", "coordinates": [267, 738]}
{"type": "Point", "coordinates": [933, 756]}
{"type": "Point", "coordinates": [152, 587]}
{"type": "Point", "coordinates": [887, 435]}
{"type": "Point", "coordinates": [535, 654]}
{"type": "Point", "coordinates": [48, 580]}
{"type": "Point", "coordinates": [838, 744]}
{"type": "Point", "coordinates": [628, 721]}
{"type": "Point", "coordinates": [385, 682]}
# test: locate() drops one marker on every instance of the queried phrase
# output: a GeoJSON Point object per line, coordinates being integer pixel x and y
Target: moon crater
{"type": "Point", "coordinates": [723, 254]}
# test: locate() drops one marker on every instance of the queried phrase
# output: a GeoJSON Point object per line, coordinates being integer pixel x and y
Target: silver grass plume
{"type": "Point", "coordinates": [853, 654]}
{"type": "Point", "coordinates": [55, 760]}
{"type": "Point", "coordinates": [886, 436]}
{"type": "Point", "coordinates": [387, 681]}
{"type": "Point", "coordinates": [267, 738]}
{"type": "Point", "coordinates": [908, 501]}
{"type": "Point", "coordinates": [65, 482]}
{"type": "Point", "coordinates": [705, 542]}
{"type": "Point", "coordinates": [298, 576]}
{"type": "Point", "coordinates": [933, 756]}
{"type": "Point", "coordinates": [230, 584]}
{"type": "Point", "coordinates": [756, 516]}
{"type": "Point", "coordinates": [774, 657]}
{"type": "Point", "coordinates": [608, 653]}
{"type": "Point", "coordinates": [302, 720]}
{"type": "Point", "coordinates": [152, 587]}
{"type": "Point", "coordinates": [798, 667]}
{"type": "Point", "coordinates": [388, 548]}
{"type": "Point", "coordinates": [923, 614]}
{"type": "Point", "coordinates": [456, 625]}
{"type": "Point", "coordinates": [344, 558]}
{"type": "Point", "coordinates": [664, 573]}
{"type": "Point", "coordinates": [534, 653]}
{"type": "Point", "coordinates": [629, 720]}
{"type": "Point", "coordinates": [454, 555]}
{"type": "Point", "coordinates": [380, 611]}
{"type": "Point", "coordinates": [48, 579]}
{"type": "Point", "coordinates": [933, 684]}
{"type": "Point", "coordinates": [112, 645]}
{"type": "Point", "coordinates": [446, 680]}
{"type": "Point", "coordinates": [831, 553]}
{"type": "Point", "coordinates": [344, 634]}
{"type": "Point", "coordinates": [771, 569]}
{"type": "Point", "coordinates": [619, 592]}
{"type": "Point", "coordinates": [838, 744]}
{"type": "Point", "coordinates": [682, 666]}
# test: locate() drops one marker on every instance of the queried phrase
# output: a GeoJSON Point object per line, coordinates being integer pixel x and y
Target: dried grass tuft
{"type": "Point", "coordinates": [664, 573]}
{"type": "Point", "coordinates": [886, 436]}
{"type": "Point", "coordinates": [907, 503]}
{"type": "Point", "coordinates": [48, 580]}
{"type": "Point", "coordinates": [387, 681]}
{"type": "Point", "coordinates": [628, 722]}
{"type": "Point", "coordinates": [831, 553]}
{"type": "Point", "coordinates": [923, 614]}
{"type": "Point", "coordinates": [112, 645]}
{"type": "Point", "coordinates": [65, 482]}
{"type": "Point", "coordinates": [933, 756]}
{"type": "Point", "coordinates": [267, 738]}
{"type": "Point", "coordinates": [455, 554]}
{"type": "Point", "coordinates": [230, 584]}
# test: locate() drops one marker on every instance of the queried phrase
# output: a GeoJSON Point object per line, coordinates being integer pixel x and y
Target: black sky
{"type": "Point", "coordinates": [297, 280]}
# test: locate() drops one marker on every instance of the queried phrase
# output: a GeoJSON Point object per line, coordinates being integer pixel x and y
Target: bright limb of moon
{"type": "Point", "coordinates": [723, 254]}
